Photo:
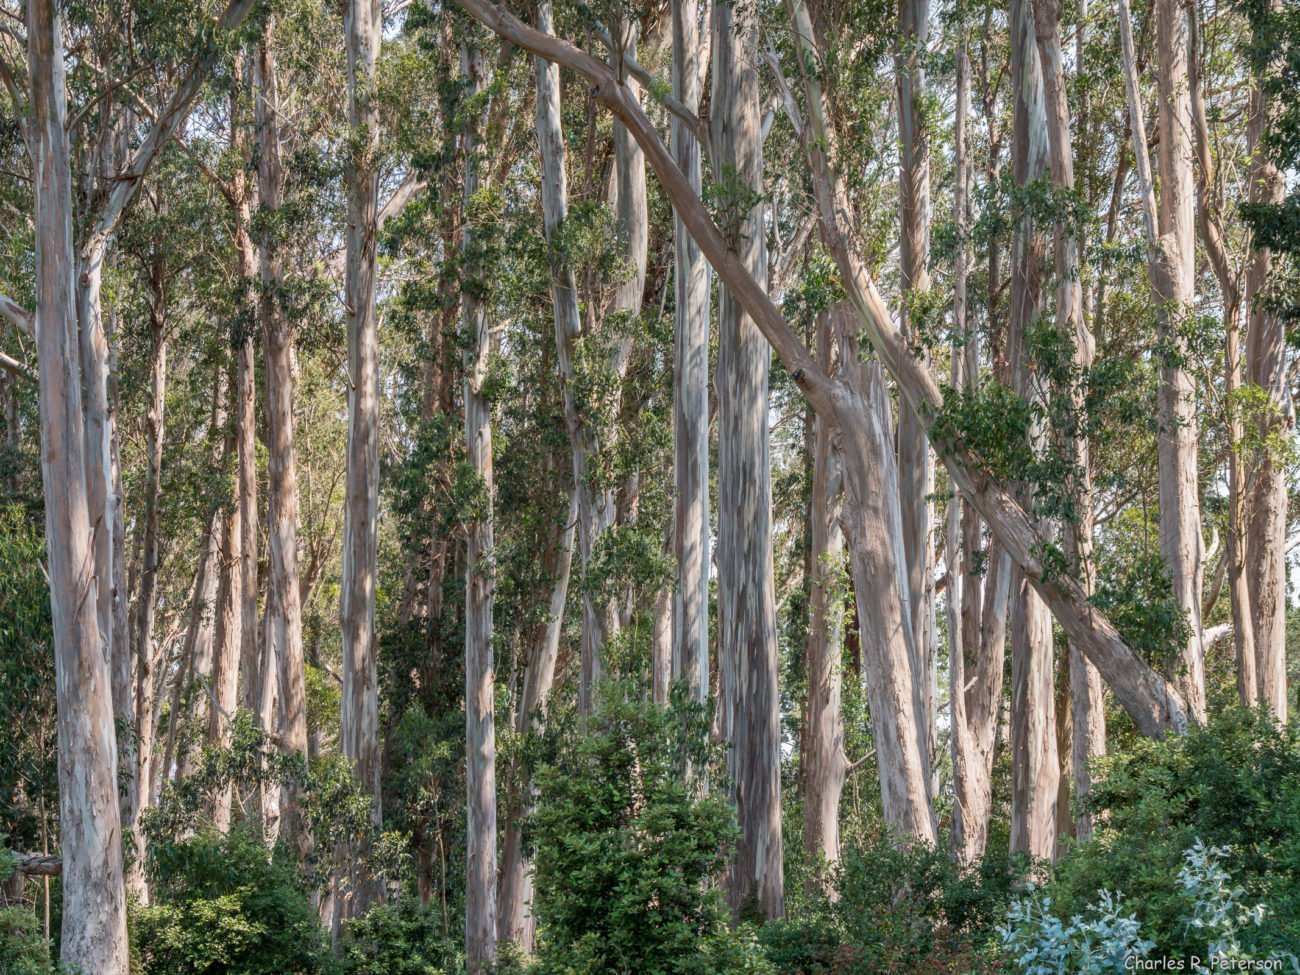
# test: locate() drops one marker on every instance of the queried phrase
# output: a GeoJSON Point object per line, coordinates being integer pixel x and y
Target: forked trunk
{"type": "Point", "coordinates": [283, 647]}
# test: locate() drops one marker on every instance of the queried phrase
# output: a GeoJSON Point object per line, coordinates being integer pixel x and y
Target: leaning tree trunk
{"type": "Point", "coordinates": [1152, 702]}
{"type": "Point", "coordinates": [915, 469]}
{"type": "Point", "coordinates": [1266, 371]}
{"type": "Point", "coordinates": [568, 329]}
{"type": "Point", "coordinates": [873, 526]}
{"type": "Point", "coordinates": [359, 718]}
{"type": "Point", "coordinates": [823, 763]}
{"type": "Point", "coordinates": [480, 727]}
{"type": "Point", "coordinates": [284, 613]}
{"type": "Point", "coordinates": [747, 649]}
{"type": "Point", "coordinates": [1035, 765]}
{"type": "Point", "coordinates": [1087, 714]}
{"type": "Point", "coordinates": [94, 900]}
{"type": "Point", "coordinates": [1209, 225]}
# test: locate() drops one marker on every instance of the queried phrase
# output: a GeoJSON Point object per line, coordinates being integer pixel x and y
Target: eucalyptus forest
{"type": "Point", "coordinates": [709, 487]}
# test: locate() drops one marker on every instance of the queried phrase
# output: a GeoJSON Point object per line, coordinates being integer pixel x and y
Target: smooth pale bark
{"type": "Point", "coordinates": [515, 921]}
{"type": "Point", "coordinates": [239, 195]}
{"type": "Point", "coordinates": [973, 700]}
{"type": "Point", "coordinates": [661, 646]}
{"type": "Point", "coordinates": [1180, 511]}
{"type": "Point", "coordinates": [632, 227]}
{"type": "Point", "coordinates": [915, 468]}
{"type": "Point", "coordinates": [691, 539]}
{"type": "Point", "coordinates": [568, 330]}
{"type": "Point", "coordinates": [94, 900]}
{"type": "Point", "coordinates": [1266, 371]}
{"type": "Point", "coordinates": [872, 521]}
{"type": "Point", "coordinates": [227, 638]}
{"type": "Point", "coordinates": [1152, 702]}
{"type": "Point", "coordinates": [823, 764]}
{"type": "Point", "coordinates": [142, 637]}
{"type": "Point", "coordinates": [283, 646]}
{"type": "Point", "coordinates": [359, 717]}
{"type": "Point", "coordinates": [1170, 264]}
{"type": "Point", "coordinates": [1087, 707]}
{"type": "Point", "coordinates": [117, 171]}
{"type": "Point", "coordinates": [1035, 764]}
{"type": "Point", "coordinates": [1231, 566]}
{"type": "Point", "coordinates": [480, 725]}
{"type": "Point", "coordinates": [747, 646]}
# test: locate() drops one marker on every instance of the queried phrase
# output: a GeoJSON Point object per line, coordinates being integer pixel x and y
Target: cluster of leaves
{"type": "Point", "coordinates": [629, 845]}
{"type": "Point", "coordinates": [894, 908]}
{"type": "Point", "coordinates": [224, 903]}
{"type": "Point", "coordinates": [1234, 783]}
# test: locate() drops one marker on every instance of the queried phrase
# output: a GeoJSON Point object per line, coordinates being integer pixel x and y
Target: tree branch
{"type": "Point", "coordinates": [18, 316]}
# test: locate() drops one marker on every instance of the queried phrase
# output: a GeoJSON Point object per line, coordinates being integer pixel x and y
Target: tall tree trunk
{"type": "Point", "coordinates": [142, 640]}
{"type": "Point", "coordinates": [480, 727]}
{"type": "Point", "coordinates": [747, 651]}
{"type": "Point", "coordinates": [873, 527]}
{"type": "Point", "coordinates": [690, 384]}
{"type": "Point", "coordinates": [823, 763]}
{"type": "Point", "coordinates": [227, 638]}
{"type": "Point", "coordinates": [1232, 565]}
{"type": "Point", "coordinates": [359, 719]}
{"type": "Point", "coordinates": [915, 469]}
{"type": "Point", "coordinates": [515, 922]}
{"type": "Point", "coordinates": [1087, 714]}
{"type": "Point", "coordinates": [1180, 512]}
{"type": "Point", "coordinates": [1266, 524]}
{"type": "Point", "coordinates": [972, 709]}
{"type": "Point", "coordinates": [1035, 765]}
{"type": "Point", "coordinates": [94, 900]}
{"type": "Point", "coordinates": [283, 612]}
{"type": "Point", "coordinates": [568, 329]}
{"type": "Point", "coordinates": [1152, 701]}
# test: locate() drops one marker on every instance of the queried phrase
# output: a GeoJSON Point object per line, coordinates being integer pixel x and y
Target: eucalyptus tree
{"type": "Point", "coordinates": [359, 720]}
{"type": "Point", "coordinates": [747, 645]}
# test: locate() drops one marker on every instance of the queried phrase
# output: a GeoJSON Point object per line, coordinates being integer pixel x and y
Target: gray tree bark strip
{"type": "Point", "coordinates": [691, 539]}
{"type": "Point", "coordinates": [915, 468]}
{"type": "Point", "coordinates": [94, 900]}
{"type": "Point", "coordinates": [1266, 370]}
{"type": "Point", "coordinates": [283, 648]}
{"type": "Point", "coordinates": [1087, 707]}
{"type": "Point", "coordinates": [480, 727]}
{"type": "Point", "coordinates": [359, 717]}
{"type": "Point", "coordinates": [823, 763]}
{"type": "Point", "coordinates": [747, 646]}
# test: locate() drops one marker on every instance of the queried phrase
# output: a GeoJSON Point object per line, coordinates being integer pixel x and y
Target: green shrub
{"type": "Point", "coordinates": [628, 848]}
{"type": "Point", "coordinates": [23, 948]}
{"type": "Point", "coordinates": [1232, 783]}
{"type": "Point", "coordinates": [404, 937]}
{"type": "Point", "coordinates": [897, 909]}
{"type": "Point", "coordinates": [223, 904]}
